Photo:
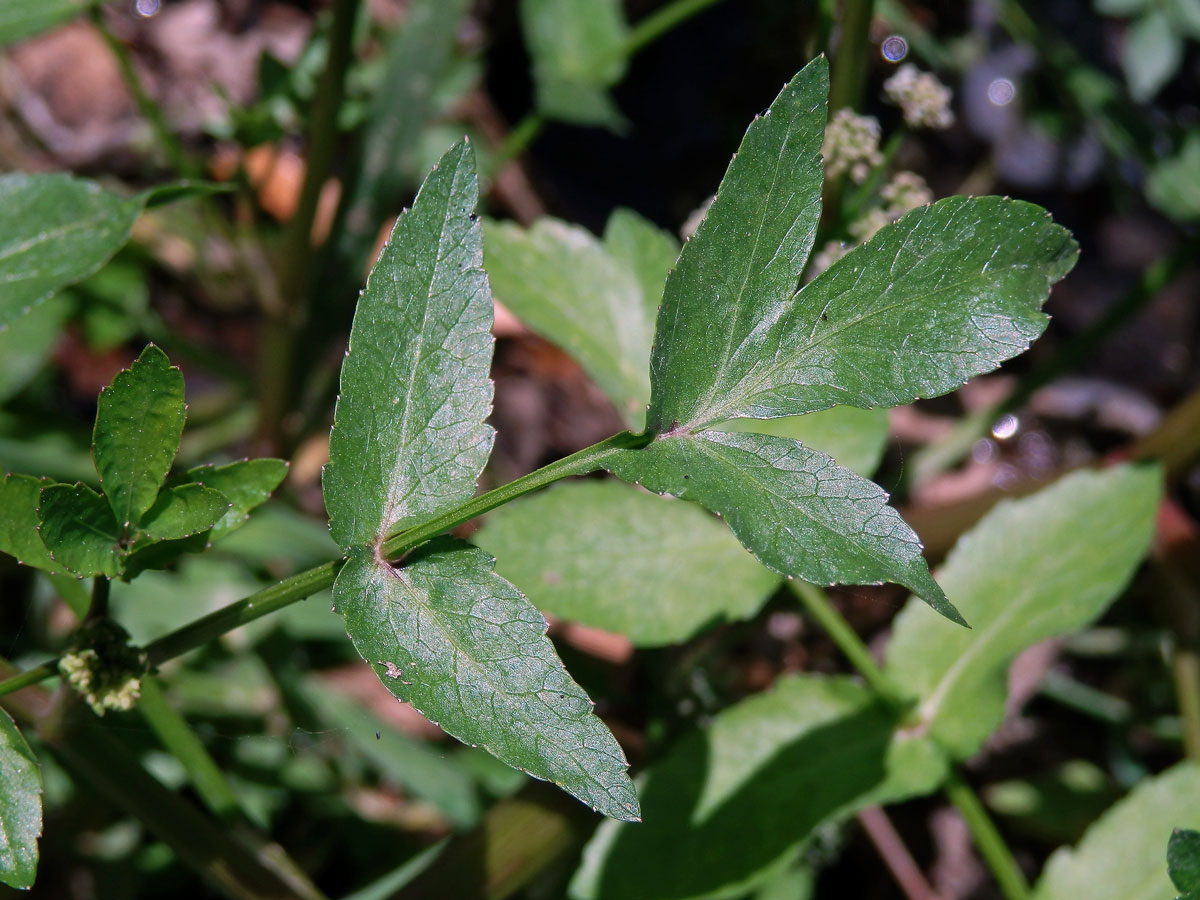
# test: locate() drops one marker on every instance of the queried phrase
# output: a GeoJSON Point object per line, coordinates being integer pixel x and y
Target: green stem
{"type": "Point", "coordinates": [522, 135]}
{"type": "Point", "coordinates": [587, 460]}
{"type": "Point", "coordinates": [991, 845]}
{"type": "Point", "coordinates": [172, 149]}
{"type": "Point", "coordinates": [178, 738]}
{"type": "Point", "coordinates": [662, 20]}
{"type": "Point", "coordinates": [277, 353]}
{"type": "Point", "coordinates": [1185, 667]}
{"type": "Point", "coordinates": [816, 602]}
{"type": "Point", "coordinates": [305, 584]}
{"type": "Point", "coordinates": [99, 606]}
{"type": "Point", "coordinates": [848, 73]}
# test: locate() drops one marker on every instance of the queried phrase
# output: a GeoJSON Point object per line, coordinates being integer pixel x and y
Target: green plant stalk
{"type": "Point", "coordinates": [172, 149]}
{"type": "Point", "coordinates": [99, 605]}
{"type": "Point", "coordinates": [848, 71]}
{"type": "Point", "coordinates": [178, 738]}
{"type": "Point", "coordinates": [816, 603]}
{"type": "Point", "coordinates": [282, 327]}
{"type": "Point", "coordinates": [662, 20]}
{"type": "Point", "coordinates": [521, 136]}
{"type": "Point", "coordinates": [305, 584]}
{"type": "Point", "coordinates": [991, 845]}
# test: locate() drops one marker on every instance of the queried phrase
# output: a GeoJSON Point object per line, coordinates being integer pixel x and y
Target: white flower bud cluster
{"type": "Point", "coordinates": [85, 672]}
{"type": "Point", "coordinates": [924, 100]}
{"type": "Point", "coordinates": [851, 145]}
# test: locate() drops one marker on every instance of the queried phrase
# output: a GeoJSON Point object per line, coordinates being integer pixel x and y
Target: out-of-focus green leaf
{"type": "Point", "coordinates": [112, 304]}
{"type": "Point", "coordinates": [855, 438]}
{"type": "Point", "coordinates": [463, 646]}
{"type": "Point", "coordinates": [578, 52]}
{"type": "Point", "coordinates": [645, 250]}
{"type": "Point", "coordinates": [1032, 569]}
{"type": "Point", "coordinates": [78, 528]}
{"type": "Point", "coordinates": [182, 511]}
{"type": "Point", "coordinates": [408, 438]}
{"type": "Point", "coordinates": [1120, 7]}
{"type": "Point", "coordinates": [19, 522]}
{"type": "Point", "coordinates": [139, 421]}
{"type": "Point", "coordinates": [1173, 185]}
{"type": "Point", "coordinates": [569, 288]}
{"type": "Point", "coordinates": [27, 343]}
{"type": "Point", "coordinates": [794, 508]}
{"type": "Point", "coordinates": [420, 769]}
{"type": "Point", "coordinates": [55, 230]}
{"type": "Point", "coordinates": [1185, 15]}
{"type": "Point", "coordinates": [21, 19]}
{"type": "Point", "coordinates": [728, 802]}
{"type": "Point", "coordinates": [20, 807]}
{"type": "Point", "coordinates": [1151, 54]}
{"type": "Point", "coordinates": [418, 55]}
{"type": "Point", "coordinates": [1183, 861]}
{"type": "Point", "coordinates": [613, 557]}
{"type": "Point", "coordinates": [246, 484]}
{"type": "Point", "coordinates": [1121, 856]}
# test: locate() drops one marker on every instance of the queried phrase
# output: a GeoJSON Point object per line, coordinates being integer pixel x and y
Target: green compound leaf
{"type": "Point", "coordinates": [21, 19]}
{"type": "Point", "coordinates": [793, 507]}
{"type": "Point", "coordinates": [855, 438]}
{"type": "Point", "coordinates": [578, 51]}
{"type": "Point", "coordinates": [55, 231]}
{"type": "Point", "coordinates": [1183, 861]}
{"type": "Point", "coordinates": [182, 511]}
{"type": "Point", "coordinates": [613, 557]}
{"type": "Point", "coordinates": [1031, 569]}
{"type": "Point", "coordinates": [596, 305]}
{"type": "Point", "coordinates": [19, 523]}
{"type": "Point", "coordinates": [139, 421]}
{"type": "Point", "coordinates": [20, 807]}
{"type": "Point", "coordinates": [463, 646]}
{"type": "Point", "coordinates": [740, 269]}
{"type": "Point", "coordinates": [246, 484]}
{"type": "Point", "coordinates": [1173, 185]}
{"type": "Point", "coordinates": [78, 528]}
{"type": "Point", "coordinates": [731, 801]}
{"type": "Point", "coordinates": [408, 438]}
{"type": "Point", "coordinates": [1121, 856]}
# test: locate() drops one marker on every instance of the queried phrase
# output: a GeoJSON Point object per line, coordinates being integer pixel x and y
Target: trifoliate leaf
{"type": "Point", "coordinates": [19, 522]}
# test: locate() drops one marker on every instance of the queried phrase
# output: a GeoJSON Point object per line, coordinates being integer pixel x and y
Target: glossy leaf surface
{"type": "Point", "coordinates": [20, 807]}
{"type": "Point", "coordinates": [246, 484]}
{"type": "Point", "coordinates": [1031, 569]}
{"type": "Point", "coordinates": [182, 511]}
{"type": "Point", "coordinates": [139, 421]}
{"type": "Point", "coordinates": [793, 507]}
{"type": "Point", "coordinates": [1121, 856]}
{"type": "Point", "coordinates": [78, 528]}
{"type": "Point", "coordinates": [408, 439]}
{"type": "Point", "coordinates": [1183, 861]}
{"type": "Point", "coordinates": [19, 522]}
{"type": "Point", "coordinates": [464, 647]}
{"type": "Point", "coordinates": [55, 230]}
{"type": "Point", "coordinates": [729, 801]}
{"type": "Point", "coordinates": [613, 557]}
